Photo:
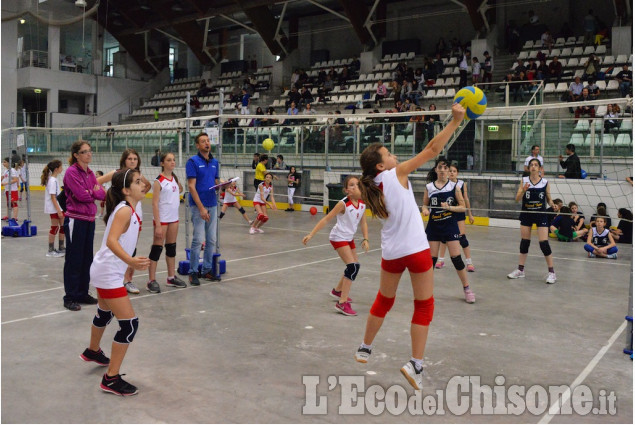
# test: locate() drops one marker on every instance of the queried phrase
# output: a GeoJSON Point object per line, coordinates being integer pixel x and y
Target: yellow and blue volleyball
{"type": "Point", "coordinates": [268, 144]}
{"type": "Point", "coordinates": [473, 100]}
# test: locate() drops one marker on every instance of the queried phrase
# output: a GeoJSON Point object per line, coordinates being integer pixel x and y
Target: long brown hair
{"type": "Point", "coordinates": [163, 156]}
{"type": "Point", "coordinates": [48, 170]}
{"type": "Point", "coordinates": [120, 180]}
{"type": "Point", "coordinates": [126, 153]}
{"type": "Point", "coordinates": [75, 150]}
{"type": "Point", "coordinates": [371, 194]}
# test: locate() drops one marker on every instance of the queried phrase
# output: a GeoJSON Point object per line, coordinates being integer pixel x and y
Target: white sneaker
{"type": "Point", "coordinates": [551, 278]}
{"type": "Point", "coordinates": [131, 288]}
{"type": "Point", "coordinates": [51, 253]}
{"type": "Point", "coordinates": [252, 231]}
{"type": "Point", "coordinates": [410, 373]}
{"type": "Point", "coordinates": [612, 256]}
{"type": "Point", "coordinates": [60, 253]}
{"type": "Point", "coordinates": [259, 230]}
{"type": "Point", "coordinates": [363, 354]}
{"type": "Point", "coordinates": [516, 274]}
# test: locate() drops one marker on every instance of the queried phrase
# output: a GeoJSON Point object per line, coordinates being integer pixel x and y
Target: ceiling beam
{"type": "Point", "coordinates": [357, 13]}
{"type": "Point", "coordinates": [266, 25]}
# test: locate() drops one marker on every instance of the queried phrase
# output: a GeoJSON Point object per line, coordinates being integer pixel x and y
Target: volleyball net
{"type": "Point", "coordinates": [490, 152]}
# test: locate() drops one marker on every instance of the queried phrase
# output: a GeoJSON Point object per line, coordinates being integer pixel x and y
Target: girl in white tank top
{"type": "Point", "coordinates": [388, 193]}
{"type": "Point", "coordinates": [231, 192]}
{"type": "Point", "coordinates": [350, 213]}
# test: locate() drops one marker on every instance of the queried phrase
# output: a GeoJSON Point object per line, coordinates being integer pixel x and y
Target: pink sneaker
{"type": "Point", "coordinates": [470, 268]}
{"type": "Point", "coordinates": [252, 231]}
{"type": "Point", "coordinates": [439, 265]}
{"type": "Point", "coordinates": [470, 298]}
{"type": "Point", "coordinates": [337, 294]}
{"type": "Point", "coordinates": [345, 309]}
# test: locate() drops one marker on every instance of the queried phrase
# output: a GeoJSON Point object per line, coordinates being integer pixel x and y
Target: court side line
{"type": "Point", "coordinates": [165, 271]}
{"type": "Point", "coordinates": [582, 376]}
{"type": "Point", "coordinates": [611, 263]}
{"type": "Point", "coordinates": [190, 287]}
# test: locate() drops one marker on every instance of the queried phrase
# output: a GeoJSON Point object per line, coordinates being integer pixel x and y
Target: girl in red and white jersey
{"type": "Point", "coordinates": [350, 214]}
{"type": "Point", "coordinates": [166, 191]}
{"type": "Point", "coordinates": [388, 194]}
{"type": "Point", "coordinates": [229, 200]}
{"type": "Point", "coordinates": [260, 203]}
{"type": "Point", "coordinates": [106, 274]}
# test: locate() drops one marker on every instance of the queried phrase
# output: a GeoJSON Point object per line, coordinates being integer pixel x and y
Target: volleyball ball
{"type": "Point", "coordinates": [313, 210]}
{"type": "Point", "coordinates": [473, 100]}
{"type": "Point", "coordinates": [268, 144]}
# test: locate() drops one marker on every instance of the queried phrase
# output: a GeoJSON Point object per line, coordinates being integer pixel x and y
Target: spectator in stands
{"type": "Point", "coordinates": [520, 67]}
{"type": "Point", "coordinates": [321, 78]}
{"type": "Point", "coordinates": [600, 211]}
{"type": "Point", "coordinates": [535, 153]}
{"type": "Point", "coordinates": [381, 92]}
{"type": "Point", "coordinates": [257, 122]}
{"type": "Point", "coordinates": [610, 119]}
{"type": "Point", "coordinates": [280, 165]}
{"type": "Point", "coordinates": [585, 109]}
{"type": "Point", "coordinates": [244, 102]}
{"type": "Point", "coordinates": [575, 90]}
{"type": "Point", "coordinates": [344, 76]}
{"type": "Point", "coordinates": [547, 40]}
{"type": "Point", "coordinates": [488, 69]}
{"type": "Point", "coordinates": [249, 87]}
{"type": "Point", "coordinates": [519, 87]}
{"type": "Point", "coordinates": [328, 86]}
{"type": "Point", "coordinates": [269, 121]}
{"type": "Point", "coordinates": [555, 71]}
{"type": "Point", "coordinates": [476, 70]}
{"type": "Point", "coordinates": [406, 90]}
{"type": "Point", "coordinates": [308, 110]}
{"type": "Point", "coordinates": [542, 71]}
{"type": "Point", "coordinates": [441, 47]}
{"type": "Point", "coordinates": [294, 77]}
{"type": "Point", "coordinates": [571, 164]}
{"type": "Point", "coordinates": [302, 79]}
{"type": "Point", "coordinates": [624, 231]}
{"type": "Point", "coordinates": [463, 67]}
{"type": "Point", "coordinates": [395, 90]}
{"type": "Point", "coordinates": [354, 66]}
{"type": "Point", "coordinates": [438, 64]}
{"type": "Point", "coordinates": [430, 120]}
{"type": "Point", "coordinates": [625, 78]}
{"type": "Point", "coordinates": [333, 74]}
{"type": "Point", "coordinates": [589, 26]}
{"type": "Point", "coordinates": [513, 37]}
{"type": "Point", "coordinates": [593, 88]}
{"type": "Point", "coordinates": [156, 114]}
{"type": "Point", "coordinates": [307, 97]}
{"type": "Point", "coordinates": [293, 97]}
{"type": "Point", "coordinates": [591, 68]}
{"type": "Point", "coordinates": [255, 161]}
{"type": "Point", "coordinates": [292, 109]}
{"type": "Point", "coordinates": [532, 70]}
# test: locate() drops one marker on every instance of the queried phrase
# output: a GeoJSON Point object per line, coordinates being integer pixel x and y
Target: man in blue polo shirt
{"type": "Point", "coordinates": [202, 173]}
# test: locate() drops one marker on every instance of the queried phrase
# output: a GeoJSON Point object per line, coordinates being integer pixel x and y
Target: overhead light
{"type": "Point", "coordinates": [22, 21]}
{"type": "Point", "coordinates": [37, 90]}
{"type": "Point", "coordinates": [80, 3]}
{"type": "Point", "coordinates": [177, 7]}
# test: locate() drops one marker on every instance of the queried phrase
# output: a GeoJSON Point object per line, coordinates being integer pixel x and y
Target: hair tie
{"type": "Point", "coordinates": [125, 176]}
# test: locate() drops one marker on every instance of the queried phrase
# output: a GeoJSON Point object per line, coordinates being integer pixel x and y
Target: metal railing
{"type": "Point", "coordinates": [36, 58]}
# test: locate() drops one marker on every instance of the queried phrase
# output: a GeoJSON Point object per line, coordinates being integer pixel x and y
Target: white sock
{"type": "Point", "coordinates": [368, 347]}
{"type": "Point", "coordinates": [468, 261]}
{"type": "Point", "coordinates": [441, 259]}
{"type": "Point", "coordinates": [170, 277]}
{"type": "Point", "coordinates": [418, 363]}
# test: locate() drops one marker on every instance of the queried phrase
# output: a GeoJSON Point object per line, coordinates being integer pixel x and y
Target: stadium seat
{"type": "Point", "coordinates": [560, 41]}
{"type": "Point", "coordinates": [528, 44]}
{"type": "Point", "coordinates": [582, 125]}
{"type": "Point", "coordinates": [566, 52]}
{"type": "Point", "coordinates": [450, 93]}
{"type": "Point", "coordinates": [609, 60]}
{"type": "Point", "coordinates": [621, 60]}
{"type": "Point", "coordinates": [550, 88]}
{"type": "Point", "coordinates": [570, 41]}
{"type": "Point", "coordinates": [577, 51]}
{"type": "Point", "coordinates": [600, 50]}
{"type": "Point", "coordinates": [577, 139]}
{"type": "Point", "coordinates": [623, 140]}
{"type": "Point", "coordinates": [612, 85]}
{"type": "Point", "coordinates": [627, 125]}
{"type": "Point", "coordinates": [523, 55]}
{"type": "Point", "coordinates": [588, 50]}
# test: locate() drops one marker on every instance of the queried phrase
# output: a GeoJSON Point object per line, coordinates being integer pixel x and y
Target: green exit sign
{"type": "Point", "coordinates": [492, 128]}
{"type": "Point", "coordinates": [526, 127]}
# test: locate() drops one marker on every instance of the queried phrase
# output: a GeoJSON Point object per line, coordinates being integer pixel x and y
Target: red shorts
{"type": "Point", "coordinates": [339, 244]}
{"type": "Point", "coordinates": [418, 262]}
{"type": "Point", "coordinates": [259, 203]}
{"type": "Point", "coordinates": [102, 204]}
{"type": "Point", "coordinates": [229, 204]}
{"type": "Point", "coordinates": [54, 216]}
{"type": "Point", "coordinates": [112, 293]}
{"type": "Point", "coordinates": [14, 198]}
{"type": "Point", "coordinates": [163, 224]}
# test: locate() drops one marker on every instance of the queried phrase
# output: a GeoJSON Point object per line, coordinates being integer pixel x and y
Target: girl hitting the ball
{"type": "Point", "coordinates": [260, 203]}
{"type": "Point", "coordinates": [460, 219]}
{"type": "Point", "coordinates": [388, 194]}
{"type": "Point", "coordinates": [350, 214]}
{"type": "Point", "coordinates": [444, 200]}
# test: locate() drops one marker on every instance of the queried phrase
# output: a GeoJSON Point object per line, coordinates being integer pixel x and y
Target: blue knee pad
{"type": "Point", "coordinates": [155, 252]}
{"type": "Point", "coordinates": [463, 241]}
{"type": "Point", "coordinates": [127, 330]}
{"type": "Point", "coordinates": [545, 248]}
{"type": "Point", "coordinates": [170, 250]}
{"type": "Point", "coordinates": [351, 271]}
{"type": "Point", "coordinates": [458, 263]}
{"type": "Point", "coordinates": [612, 250]}
{"type": "Point", "coordinates": [588, 248]}
{"type": "Point", "coordinates": [524, 246]}
{"type": "Point", "coordinates": [102, 318]}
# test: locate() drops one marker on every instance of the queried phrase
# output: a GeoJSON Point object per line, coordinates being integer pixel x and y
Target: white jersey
{"type": "Point", "coordinates": [229, 198]}
{"type": "Point", "coordinates": [265, 189]}
{"type": "Point", "coordinates": [347, 222]}
{"type": "Point", "coordinates": [107, 270]}
{"type": "Point", "coordinates": [539, 158]}
{"type": "Point", "coordinates": [402, 232]}
{"type": "Point", "coordinates": [169, 199]}
{"type": "Point", "coordinates": [52, 188]}
{"type": "Point", "coordinates": [7, 176]}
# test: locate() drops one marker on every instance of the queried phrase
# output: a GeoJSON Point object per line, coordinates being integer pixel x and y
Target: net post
{"type": "Point", "coordinates": [326, 146]}
{"type": "Point", "coordinates": [629, 317]}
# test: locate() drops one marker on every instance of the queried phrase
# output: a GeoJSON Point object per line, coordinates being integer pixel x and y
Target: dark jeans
{"type": "Point", "coordinates": [79, 257]}
{"type": "Point", "coordinates": [463, 78]}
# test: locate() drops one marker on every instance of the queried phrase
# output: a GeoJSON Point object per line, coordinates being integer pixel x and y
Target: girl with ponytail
{"type": "Point", "coordinates": [388, 193]}
{"type": "Point", "coordinates": [52, 207]}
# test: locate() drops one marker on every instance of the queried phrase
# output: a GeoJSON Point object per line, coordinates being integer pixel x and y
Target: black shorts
{"type": "Point", "coordinates": [460, 216]}
{"type": "Point", "coordinates": [446, 231]}
{"type": "Point", "coordinates": [528, 219]}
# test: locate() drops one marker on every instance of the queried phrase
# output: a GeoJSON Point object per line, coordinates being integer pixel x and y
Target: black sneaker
{"type": "Point", "coordinates": [153, 287]}
{"type": "Point", "coordinates": [87, 299]}
{"type": "Point", "coordinates": [210, 276]}
{"type": "Point", "coordinates": [176, 282]}
{"type": "Point", "coordinates": [72, 305]}
{"type": "Point", "coordinates": [95, 356]}
{"type": "Point", "coordinates": [194, 280]}
{"type": "Point", "coordinates": [116, 385]}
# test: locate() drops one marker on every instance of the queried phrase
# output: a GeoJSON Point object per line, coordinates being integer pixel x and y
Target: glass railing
{"type": "Point", "coordinates": [36, 58]}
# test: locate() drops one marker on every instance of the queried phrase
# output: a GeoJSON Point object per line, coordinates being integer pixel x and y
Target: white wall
{"type": "Point", "coordinates": [9, 75]}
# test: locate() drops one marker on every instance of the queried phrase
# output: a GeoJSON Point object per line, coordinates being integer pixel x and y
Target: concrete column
{"type": "Point", "coordinates": [621, 41]}
{"type": "Point", "coordinates": [193, 65]}
{"type": "Point", "coordinates": [54, 47]}
{"type": "Point", "coordinates": [368, 60]}
{"type": "Point", "coordinates": [9, 78]}
{"type": "Point", "coordinates": [52, 100]}
{"type": "Point", "coordinates": [478, 47]}
{"type": "Point", "coordinates": [97, 44]}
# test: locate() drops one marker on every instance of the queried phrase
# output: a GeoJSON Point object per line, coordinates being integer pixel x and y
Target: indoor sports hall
{"type": "Point", "coordinates": [262, 338]}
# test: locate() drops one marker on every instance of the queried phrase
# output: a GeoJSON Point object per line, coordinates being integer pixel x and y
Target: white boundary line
{"type": "Point", "coordinates": [555, 407]}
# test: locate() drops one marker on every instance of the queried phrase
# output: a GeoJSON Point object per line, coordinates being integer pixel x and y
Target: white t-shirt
{"type": "Point", "coordinates": [529, 158]}
{"type": "Point", "coordinates": [52, 188]}
{"type": "Point", "coordinates": [107, 270]}
{"type": "Point", "coordinates": [7, 176]}
{"type": "Point", "coordinates": [476, 68]}
{"type": "Point", "coordinates": [169, 199]}
{"type": "Point", "coordinates": [23, 174]}
{"type": "Point", "coordinates": [402, 232]}
{"type": "Point", "coordinates": [266, 191]}
{"type": "Point", "coordinates": [347, 222]}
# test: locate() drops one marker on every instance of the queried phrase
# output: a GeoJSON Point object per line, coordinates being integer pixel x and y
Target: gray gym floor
{"type": "Point", "coordinates": [237, 351]}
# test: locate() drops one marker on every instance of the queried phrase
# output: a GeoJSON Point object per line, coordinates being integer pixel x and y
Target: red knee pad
{"type": "Point", "coordinates": [382, 305]}
{"type": "Point", "coordinates": [260, 217]}
{"type": "Point", "coordinates": [264, 218]}
{"type": "Point", "coordinates": [14, 204]}
{"type": "Point", "coordinates": [61, 230]}
{"type": "Point", "coordinates": [54, 230]}
{"type": "Point", "coordinates": [424, 310]}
